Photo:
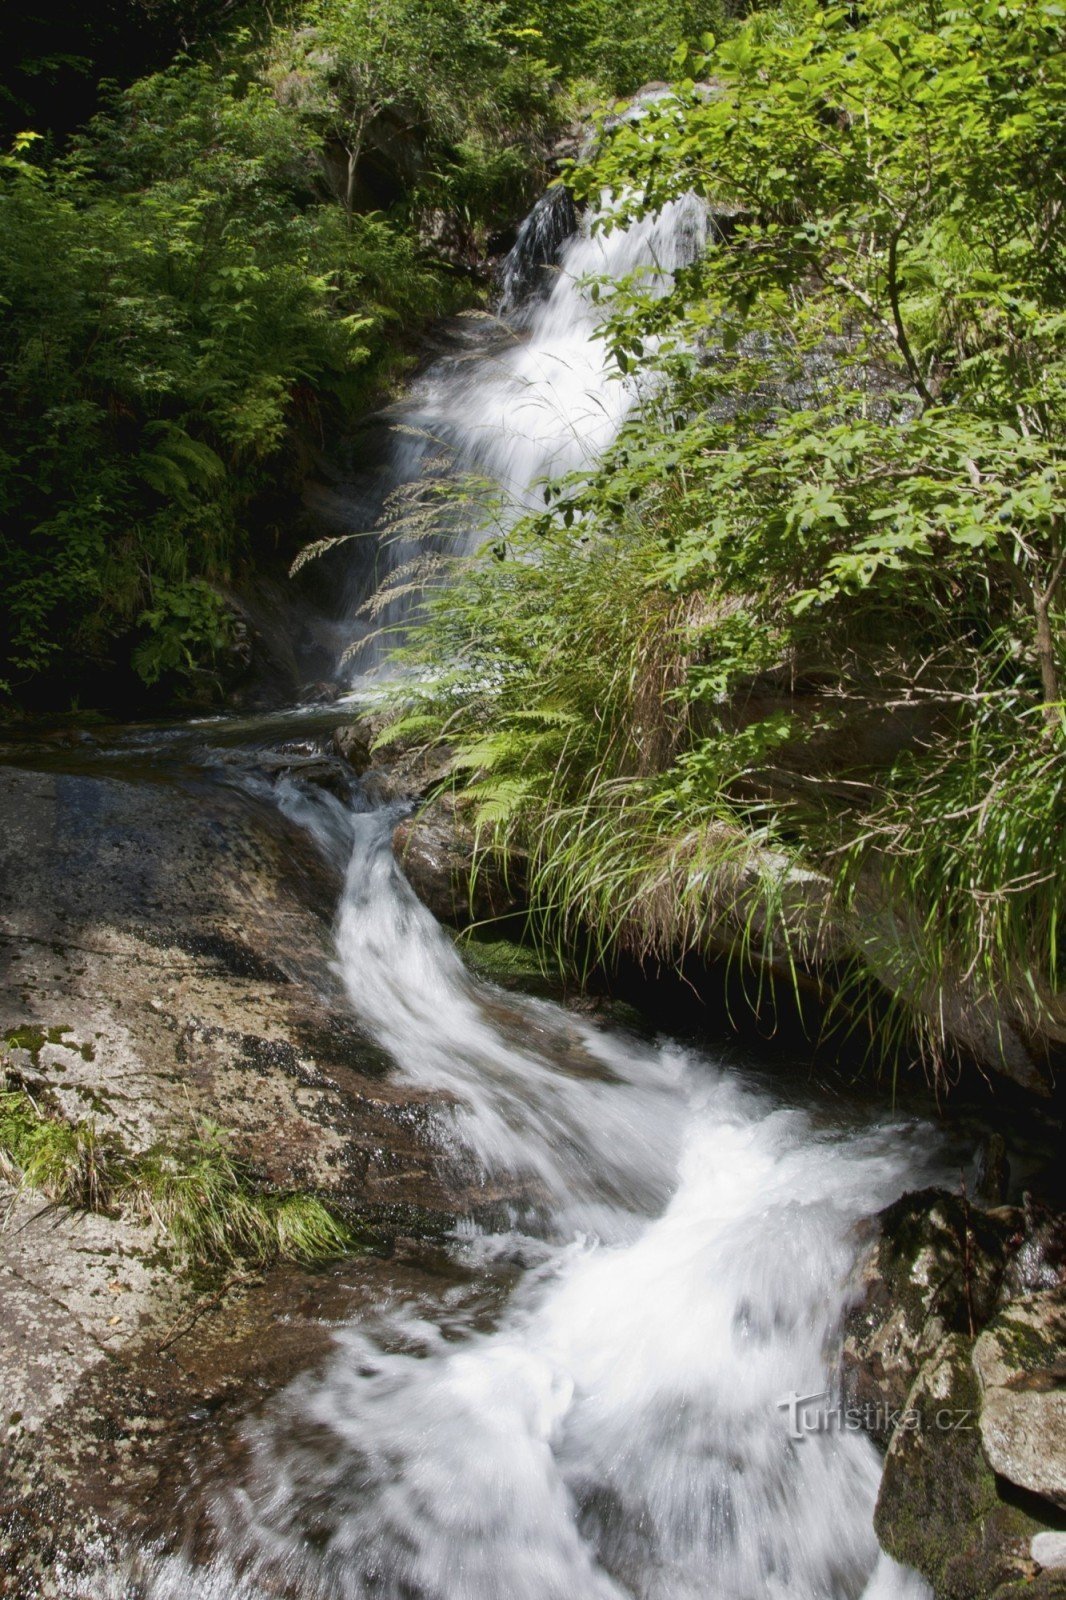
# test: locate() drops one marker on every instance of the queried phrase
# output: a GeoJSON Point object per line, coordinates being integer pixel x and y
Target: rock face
{"type": "Point", "coordinates": [961, 1370]}
{"type": "Point", "coordinates": [166, 960]}
{"type": "Point", "coordinates": [935, 1269]}
{"type": "Point", "coordinates": [939, 1509]}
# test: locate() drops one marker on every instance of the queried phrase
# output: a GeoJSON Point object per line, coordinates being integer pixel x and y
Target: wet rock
{"type": "Point", "coordinates": [1020, 1362]}
{"type": "Point", "coordinates": [277, 641]}
{"type": "Point", "coordinates": [436, 849]}
{"type": "Point", "coordinates": [992, 1177]}
{"type": "Point", "coordinates": [935, 1268]}
{"type": "Point", "coordinates": [147, 1440]}
{"type": "Point", "coordinates": [969, 1394]}
{"type": "Point", "coordinates": [307, 764]}
{"type": "Point", "coordinates": [382, 787]}
{"type": "Point", "coordinates": [412, 773]}
{"type": "Point", "coordinates": [322, 693]}
{"type": "Point", "coordinates": [939, 1508]}
{"type": "Point", "coordinates": [351, 743]}
{"type": "Point", "coordinates": [1040, 1260]}
{"type": "Point", "coordinates": [68, 738]}
{"type": "Point", "coordinates": [166, 960]}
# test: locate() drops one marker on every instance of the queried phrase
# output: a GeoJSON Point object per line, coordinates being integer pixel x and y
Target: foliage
{"type": "Point", "coordinates": [224, 263]}
{"type": "Point", "coordinates": [444, 92]}
{"type": "Point", "coordinates": [195, 1193]}
{"type": "Point", "coordinates": [792, 657]}
{"type": "Point", "coordinates": [173, 304]}
{"type": "Point", "coordinates": [621, 44]}
{"type": "Point", "coordinates": [66, 1161]}
{"type": "Point", "coordinates": [56, 54]}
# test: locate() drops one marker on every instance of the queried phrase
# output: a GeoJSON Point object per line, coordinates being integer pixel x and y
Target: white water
{"type": "Point", "coordinates": [543, 399]}
{"type": "Point", "coordinates": [552, 401]}
{"type": "Point", "coordinates": [593, 1410]}
{"type": "Point", "coordinates": [613, 1427]}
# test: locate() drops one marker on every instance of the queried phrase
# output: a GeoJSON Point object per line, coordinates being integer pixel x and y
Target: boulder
{"type": "Point", "coordinates": [351, 743]}
{"type": "Point", "coordinates": [1040, 1260]}
{"type": "Point", "coordinates": [305, 761]}
{"type": "Point", "coordinates": [966, 1388]}
{"type": "Point", "coordinates": [939, 1509]}
{"type": "Point", "coordinates": [436, 849]}
{"type": "Point", "coordinates": [934, 1268]}
{"type": "Point", "coordinates": [1020, 1362]}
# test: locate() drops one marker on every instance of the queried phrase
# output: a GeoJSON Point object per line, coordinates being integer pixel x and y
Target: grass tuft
{"type": "Point", "coordinates": [68, 1162]}
{"type": "Point", "coordinates": [196, 1192]}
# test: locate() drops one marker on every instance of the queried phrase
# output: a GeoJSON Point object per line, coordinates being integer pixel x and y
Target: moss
{"type": "Point", "coordinates": [1027, 1346]}
{"type": "Point", "coordinates": [33, 1040]}
{"type": "Point", "coordinates": [939, 1508]}
{"type": "Point", "coordinates": [508, 963]}
{"type": "Point", "coordinates": [69, 1162]}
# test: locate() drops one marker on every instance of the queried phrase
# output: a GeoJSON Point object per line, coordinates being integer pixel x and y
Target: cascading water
{"type": "Point", "coordinates": [598, 1410]}
{"type": "Point", "coordinates": [539, 396]}
{"type": "Point", "coordinates": [613, 1423]}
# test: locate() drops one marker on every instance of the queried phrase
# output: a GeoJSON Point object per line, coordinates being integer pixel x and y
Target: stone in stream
{"type": "Point", "coordinates": [436, 848]}
{"type": "Point", "coordinates": [961, 1372]}
{"type": "Point", "coordinates": [1020, 1362]}
{"type": "Point", "coordinates": [939, 1508]}
{"type": "Point", "coordinates": [934, 1268]}
{"type": "Point", "coordinates": [351, 743]}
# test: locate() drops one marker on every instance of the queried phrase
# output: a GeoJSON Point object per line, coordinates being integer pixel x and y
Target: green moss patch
{"type": "Point", "coordinates": [512, 965]}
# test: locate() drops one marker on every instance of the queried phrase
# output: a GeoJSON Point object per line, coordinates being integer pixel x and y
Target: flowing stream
{"type": "Point", "coordinates": [598, 1409]}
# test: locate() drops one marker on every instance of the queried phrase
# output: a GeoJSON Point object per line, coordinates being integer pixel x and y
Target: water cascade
{"type": "Point", "coordinates": [596, 1406]}
{"type": "Point", "coordinates": [531, 394]}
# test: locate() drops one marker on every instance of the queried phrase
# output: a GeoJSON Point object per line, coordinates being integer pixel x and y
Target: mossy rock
{"type": "Point", "coordinates": [934, 1269]}
{"type": "Point", "coordinates": [511, 965]}
{"type": "Point", "coordinates": [1048, 1585]}
{"type": "Point", "coordinates": [939, 1509]}
{"type": "Point", "coordinates": [1020, 1361]}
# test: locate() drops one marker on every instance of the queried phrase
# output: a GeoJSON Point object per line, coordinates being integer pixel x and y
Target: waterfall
{"type": "Point", "coordinates": [595, 1406]}
{"type": "Point", "coordinates": [533, 396]}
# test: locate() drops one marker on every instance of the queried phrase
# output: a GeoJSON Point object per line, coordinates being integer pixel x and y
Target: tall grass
{"type": "Point", "coordinates": [68, 1162]}
{"type": "Point", "coordinates": [966, 844]}
{"type": "Point", "coordinates": [201, 1199]}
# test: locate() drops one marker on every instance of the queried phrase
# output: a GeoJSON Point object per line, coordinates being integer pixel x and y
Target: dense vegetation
{"type": "Point", "coordinates": [206, 1207]}
{"type": "Point", "coordinates": [786, 674]}
{"type": "Point", "coordinates": [226, 261]}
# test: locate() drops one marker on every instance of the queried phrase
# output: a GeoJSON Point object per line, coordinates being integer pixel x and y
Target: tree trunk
{"type": "Point", "coordinates": [1045, 655]}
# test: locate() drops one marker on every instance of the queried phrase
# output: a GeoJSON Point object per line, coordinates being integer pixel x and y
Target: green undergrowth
{"type": "Point", "coordinates": [782, 678]}
{"type": "Point", "coordinates": [196, 1192]}
{"type": "Point", "coordinates": [235, 256]}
